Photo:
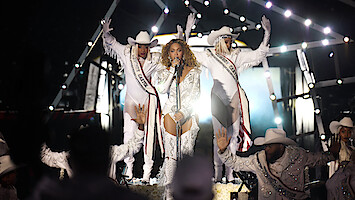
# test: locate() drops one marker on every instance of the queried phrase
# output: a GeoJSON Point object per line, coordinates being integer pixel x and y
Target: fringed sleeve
{"type": "Point", "coordinates": [164, 78]}
{"type": "Point", "coordinates": [55, 159]}
{"type": "Point", "coordinates": [113, 48]}
{"type": "Point", "coordinates": [120, 152]}
{"type": "Point", "coordinates": [246, 58]}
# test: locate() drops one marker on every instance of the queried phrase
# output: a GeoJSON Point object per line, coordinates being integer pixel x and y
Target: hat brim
{"type": "Point", "coordinates": [215, 34]}
{"type": "Point", "coordinates": [259, 141]}
{"type": "Point", "coordinates": [152, 43]}
{"type": "Point", "coordinates": [335, 125]}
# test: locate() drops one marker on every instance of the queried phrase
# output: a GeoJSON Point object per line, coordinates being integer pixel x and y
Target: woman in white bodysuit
{"type": "Point", "coordinates": [177, 57]}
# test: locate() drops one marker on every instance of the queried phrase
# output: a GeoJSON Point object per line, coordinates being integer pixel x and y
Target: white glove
{"type": "Point", "coordinates": [106, 26]}
{"type": "Point", "coordinates": [189, 23]}
{"type": "Point", "coordinates": [265, 23]}
{"type": "Point", "coordinates": [180, 32]}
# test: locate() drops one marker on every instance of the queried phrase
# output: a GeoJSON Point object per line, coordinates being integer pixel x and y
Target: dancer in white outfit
{"type": "Point", "coordinates": [118, 152]}
{"type": "Point", "coordinates": [229, 103]}
{"type": "Point", "coordinates": [139, 64]}
{"type": "Point", "coordinates": [178, 58]}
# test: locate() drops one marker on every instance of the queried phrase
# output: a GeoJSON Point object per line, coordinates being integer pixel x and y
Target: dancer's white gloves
{"type": "Point", "coordinates": [265, 23]}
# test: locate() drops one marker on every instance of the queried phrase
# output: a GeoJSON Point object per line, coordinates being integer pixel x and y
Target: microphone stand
{"type": "Point", "coordinates": [178, 125]}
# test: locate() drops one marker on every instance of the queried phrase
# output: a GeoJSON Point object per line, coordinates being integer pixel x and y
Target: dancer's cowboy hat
{"type": "Point", "coordinates": [6, 165]}
{"type": "Point", "coordinates": [274, 136]}
{"type": "Point", "coordinates": [225, 30]}
{"type": "Point", "coordinates": [335, 126]}
{"type": "Point", "coordinates": [142, 38]}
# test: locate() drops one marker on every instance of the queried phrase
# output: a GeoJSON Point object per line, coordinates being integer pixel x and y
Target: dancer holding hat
{"type": "Point", "coordinates": [344, 129]}
{"type": "Point", "coordinates": [279, 167]}
{"type": "Point", "coordinates": [139, 64]}
{"type": "Point", "coordinates": [230, 107]}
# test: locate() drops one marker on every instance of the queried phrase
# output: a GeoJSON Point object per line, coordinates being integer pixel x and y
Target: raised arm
{"type": "Point", "coordinates": [111, 46]}
{"type": "Point", "coordinates": [237, 163]}
{"type": "Point", "coordinates": [246, 59]}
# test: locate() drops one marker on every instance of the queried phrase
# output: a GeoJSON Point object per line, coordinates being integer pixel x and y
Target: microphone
{"type": "Point", "coordinates": [177, 66]}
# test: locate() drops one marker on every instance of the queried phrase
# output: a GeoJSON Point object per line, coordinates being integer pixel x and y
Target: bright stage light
{"type": "Point", "coordinates": [339, 81]}
{"type": "Point", "coordinates": [199, 35]}
{"type": "Point", "coordinates": [244, 28]}
{"type": "Point", "coordinates": [51, 108]}
{"type": "Point", "coordinates": [304, 45]}
{"type": "Point", "coordinates": [77, 65]}
{"type": "Point", "coordinates": [198, 15]}
{"type": "Point", "coordinates": [64, 86]}
{"type": "Point", "coordinates": [272, 97]}
{"type": "Point", "coordinates": [317, 111]}
{"type": "Point", "coordinates": [283, 48]}
{"type": "Point", "coordinates": [155, 29]}
{"type": "Point", "coordinates": [207, 3]}
{"type": "Point", "coordinates": [166, 10]}
{"type": "Point", "coordinates": [226, 11]}
{"type": "Point", "coordinates": [234, 45]}
{"type": "Point", "coordinates": [346, 39]}
{"type": "Point", "coordinates": [120, 86]}
{"type": "Point", "coordinates": [258, 26]}
{"type": "Point", "coordinates": [288, 13]}
{"type": "Point", "coordinates": [242, 18]}
{"type": "Point", "coordinates": [268, 4]}
{"type": "Point", "coordinates": [90, 43]}
{"type": "Point", "coordinates": [325, 42]}
{"type": "Point", "coordinates": [278, 120]}
{"type": "Point", "coordinates": [267, 74]}
{"type": "Point", "coordinates": [311, 85]}
{"type": "Point", "coordinates": [322, 137]}
{"type": "Point", "coordinates": [307, 22]}
{"type": "Point", "coordinates": [193, 27]}
{"type": "Point", "coordinates": [331, 54]}
{"type": "Point", "coordinates": [326, 30]}
{"type": "Point", "coordinates": [187, 3]}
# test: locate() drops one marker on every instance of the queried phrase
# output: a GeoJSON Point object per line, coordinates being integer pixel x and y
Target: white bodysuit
{"type": "Point", "coordinates": [135, 95]}
{"type": "Point", "coordinates": [225, 99]}
{"type": "Point", "coordinates": [189, 94]}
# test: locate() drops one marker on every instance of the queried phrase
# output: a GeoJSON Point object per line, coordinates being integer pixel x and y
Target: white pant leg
{"type": "Point", "coordinates": [147, 167]}
{"type": "Point", "coordinates": [232, 131]}
{"type": "Point", "coordinates": [129, 129]}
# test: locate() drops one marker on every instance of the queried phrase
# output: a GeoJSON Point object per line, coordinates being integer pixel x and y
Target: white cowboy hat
{"type": "Point", "coordinates": [225, 30]}
{"type": "Point", "coordinates": [273, 136]}
{"type": "Point", "coordinates": [335, 126]}
{"type": "Point", "coordinates": [6, 165]}
{"type": "Point", "coordinates": [142, 38]}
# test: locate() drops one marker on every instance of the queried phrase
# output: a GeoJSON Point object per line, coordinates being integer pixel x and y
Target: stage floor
{"type": "Point", "coordinates": [221, 191]}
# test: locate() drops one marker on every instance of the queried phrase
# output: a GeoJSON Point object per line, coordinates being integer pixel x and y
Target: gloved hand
{"type": "Point", "coordinates": [265, 23]}
{"type": "Point", "coordinates": [180, 32]}
{"type": "Point", "coordinates": [106, 26]}
{"type": "Point", "coordinates": [189, 23]}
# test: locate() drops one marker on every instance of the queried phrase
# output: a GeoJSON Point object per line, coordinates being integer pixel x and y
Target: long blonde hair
{"type": "Point", "coordinates": [188, 57]}
{"type": "Point", "coordinates": [221, 47]}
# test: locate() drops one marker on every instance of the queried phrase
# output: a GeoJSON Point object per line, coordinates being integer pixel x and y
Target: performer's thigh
{"type": "Point", "coordinates": [129, 127]}
{"type": "Point", "coordinates": [216, 126]}
{"type": "Point", "coordinates": [169, 124]}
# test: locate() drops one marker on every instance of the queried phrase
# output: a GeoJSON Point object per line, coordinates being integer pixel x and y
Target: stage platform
{"type": "Point", "coordinates": [221, 191]}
